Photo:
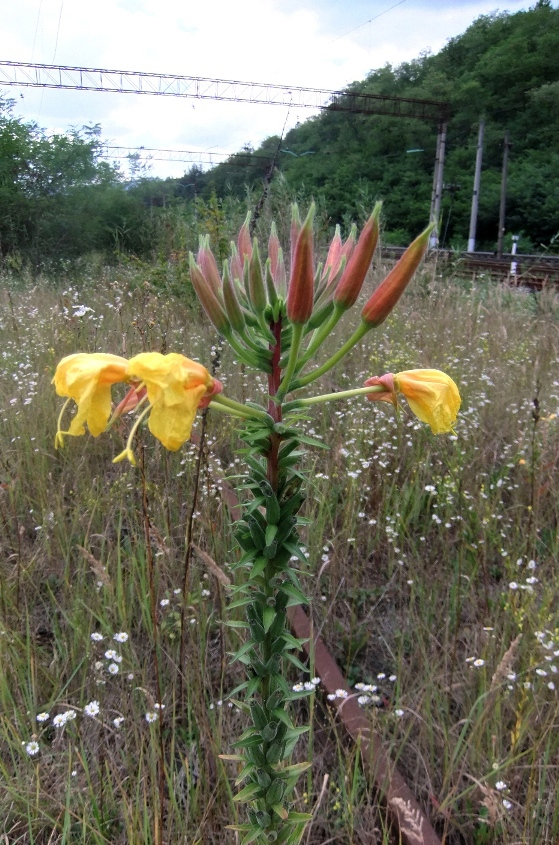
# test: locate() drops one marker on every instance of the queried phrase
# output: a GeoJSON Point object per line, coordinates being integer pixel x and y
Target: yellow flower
{"type": "Point", "coordinates": [87, 379]}
{"type": "Point", "coordinates": [432, 396]}
{"type": "Point", "coordinates": [175, 386]}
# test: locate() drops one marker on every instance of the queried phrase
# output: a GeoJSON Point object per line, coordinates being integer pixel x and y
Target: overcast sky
{"type": "Point", "coordinates": [309, 43]}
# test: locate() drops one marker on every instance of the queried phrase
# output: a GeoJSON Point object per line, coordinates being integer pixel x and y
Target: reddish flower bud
{"type": "Point", "coordinates": [349, 286]}
{"type": "Point", "coordinates": [295, 228]}
{"type": "Point", "coordinates": [334, 256]}
{"type": "Point", "coordinates": [273, 250]}
{"type": "Point", "coordinates": [235, 264]}
{"type": "Point", "coordinates": [300, 295]}
{"type": "Point", "coordinates": [385, 297]}
{"type": "Point", "coordinates": [349, 245]}
{"type": "Point", "coordinates": [208, 265]}
{"type": "Point", "coordinates": [232, 306]}
{"type": "Point", "coordinates": [208, 299]}
{"type": "Point", "coordinates": [244, 240]}
{"type": "Point", "coordinates": [256, 288]}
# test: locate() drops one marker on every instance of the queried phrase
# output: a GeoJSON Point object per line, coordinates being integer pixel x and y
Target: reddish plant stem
{"type": "Point", "coordinates": [274, 381]}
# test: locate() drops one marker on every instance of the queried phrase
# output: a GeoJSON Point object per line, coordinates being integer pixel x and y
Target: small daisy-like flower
{"type": "Point", "coordinates": [42, 717]}
{"type": "Point", "coordinates": [551, 685]}
{"type": "Point", "coordinates": [309, 686]}
{"type": "Point", "coordinates": [500, 785]}
{"type": "Point", "coordinates": [32, 748]}
{"type": "Point", "coordinates": [151, 716]}
{"type": "Point", "coordinates": [315, 681]}
{"type": "Point", "coordinates": [541, 672]}
{"type": "Point", "coordinates": [341, 693]}
{"type": "Point", "coordinates": [513, 585]}
{"type": "Point", "coordinates": [392, 678]}
{"type": "Point", "coordinates": [111, 654]}
{"type": "Point", "coordinates": [363, 699]}
{"type": "Point", "coordinates": [177, 592]}
{"type": "Point", "coordinates": [507, 804]}
{"type": "Point", "coordinates": [113, 668]}
{"type": "Point", "coordinates": [297, 687]}
{"type": "Point", "coordinates": [60, 720]}
{"type": "Point", "coordinates": [70, 714]}
{"type": "Point", "coordinates": [97, 638]}
{"type": "Point", "coordinates": [205, 594]}
{"type": "Point", "coordinates": [399, 712]}
{"type": "Point", "coordinates": [532, 580]}
{"type": "Point", "coordinates": [120, 637]}
{"type": "Point", "coordinates": [381, 676]}
{"type": "Point", "coordinates": [158, 706]}
{"type": "Point", "coordinates": [164, 602]}
{"type": "Point", "coordinates": [478, 662]}
{"type": "Point", "coordinates": [91, 709]}
{"type": "Point", "coordinates": [118, 721]}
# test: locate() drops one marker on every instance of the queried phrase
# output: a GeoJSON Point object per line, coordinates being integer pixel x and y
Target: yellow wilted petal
{"type": "Point", "coordinates": [432, 396]}
{"type": "Point", "coordinates": [175, 385]}
{"type": "Point", "coordinates": [87, 379]}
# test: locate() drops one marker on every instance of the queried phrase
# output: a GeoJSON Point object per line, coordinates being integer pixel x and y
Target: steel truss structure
{"type": "Point", "coordinates": [29, 75]}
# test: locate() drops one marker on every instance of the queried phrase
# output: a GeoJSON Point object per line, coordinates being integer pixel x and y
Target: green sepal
{"type": "Point", "coordinates": [250, 791]}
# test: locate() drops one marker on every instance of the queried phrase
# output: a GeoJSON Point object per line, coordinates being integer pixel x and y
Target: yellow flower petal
{"type": "Point", "coordinates": [175, 385]}
{"type": "Point", "coordinates": [87, 379]}
{"type": "Point", "coordinates": [432, 396]}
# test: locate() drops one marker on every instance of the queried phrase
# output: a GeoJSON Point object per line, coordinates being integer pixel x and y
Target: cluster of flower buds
{"type": "Point", "coordinates": [250, 297]}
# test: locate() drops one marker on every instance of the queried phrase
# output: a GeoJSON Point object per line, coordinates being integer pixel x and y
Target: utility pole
{"type": "Point", "coordinates": [502, 206]}
{"type": "Point", "coordinates": [438, 185]}
{"type": "Point", "coordinates": [475, 195]}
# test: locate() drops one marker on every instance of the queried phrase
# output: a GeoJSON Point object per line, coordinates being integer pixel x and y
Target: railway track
{"type": "Point", "coordinates": [533, 271]}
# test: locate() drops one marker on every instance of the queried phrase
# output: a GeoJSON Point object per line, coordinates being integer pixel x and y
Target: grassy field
{"type": "Point", "coordinates": [432, 566]}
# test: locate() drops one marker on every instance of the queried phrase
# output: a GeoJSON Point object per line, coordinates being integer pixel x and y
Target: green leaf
{"type": "Point", "coordinates": [244, 649]}
{"type": "Point", "coordinates": [268, 617]}
{"type": "Point", "coordinates": [280, 811]}
{"type": "Point", "coordinates": [271, 532]}
{"type": "Point", "coordinates": [295, 661]}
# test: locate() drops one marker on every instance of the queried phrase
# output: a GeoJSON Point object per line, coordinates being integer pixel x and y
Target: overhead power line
{"type": "Point", "coordinates": [188, 156]}
{"type": "Point", "coordinates": [29, 75]}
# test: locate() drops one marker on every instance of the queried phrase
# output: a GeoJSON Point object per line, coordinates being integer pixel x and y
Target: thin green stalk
{"type": "Point", "coordinates": [359, 333]}
{"type": "Point", "coordinates": [296, 338]}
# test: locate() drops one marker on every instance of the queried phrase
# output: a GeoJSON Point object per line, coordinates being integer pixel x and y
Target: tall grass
{"type": "Point", "coordinates": [428, 557]}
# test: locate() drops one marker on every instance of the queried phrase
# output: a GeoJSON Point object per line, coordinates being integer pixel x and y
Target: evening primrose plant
{"type": "Point", "coordinates": [276, 322]}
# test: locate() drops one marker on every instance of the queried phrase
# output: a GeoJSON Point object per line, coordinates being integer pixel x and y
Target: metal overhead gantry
{"type": "Point", "coordinates": [28, 75]}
